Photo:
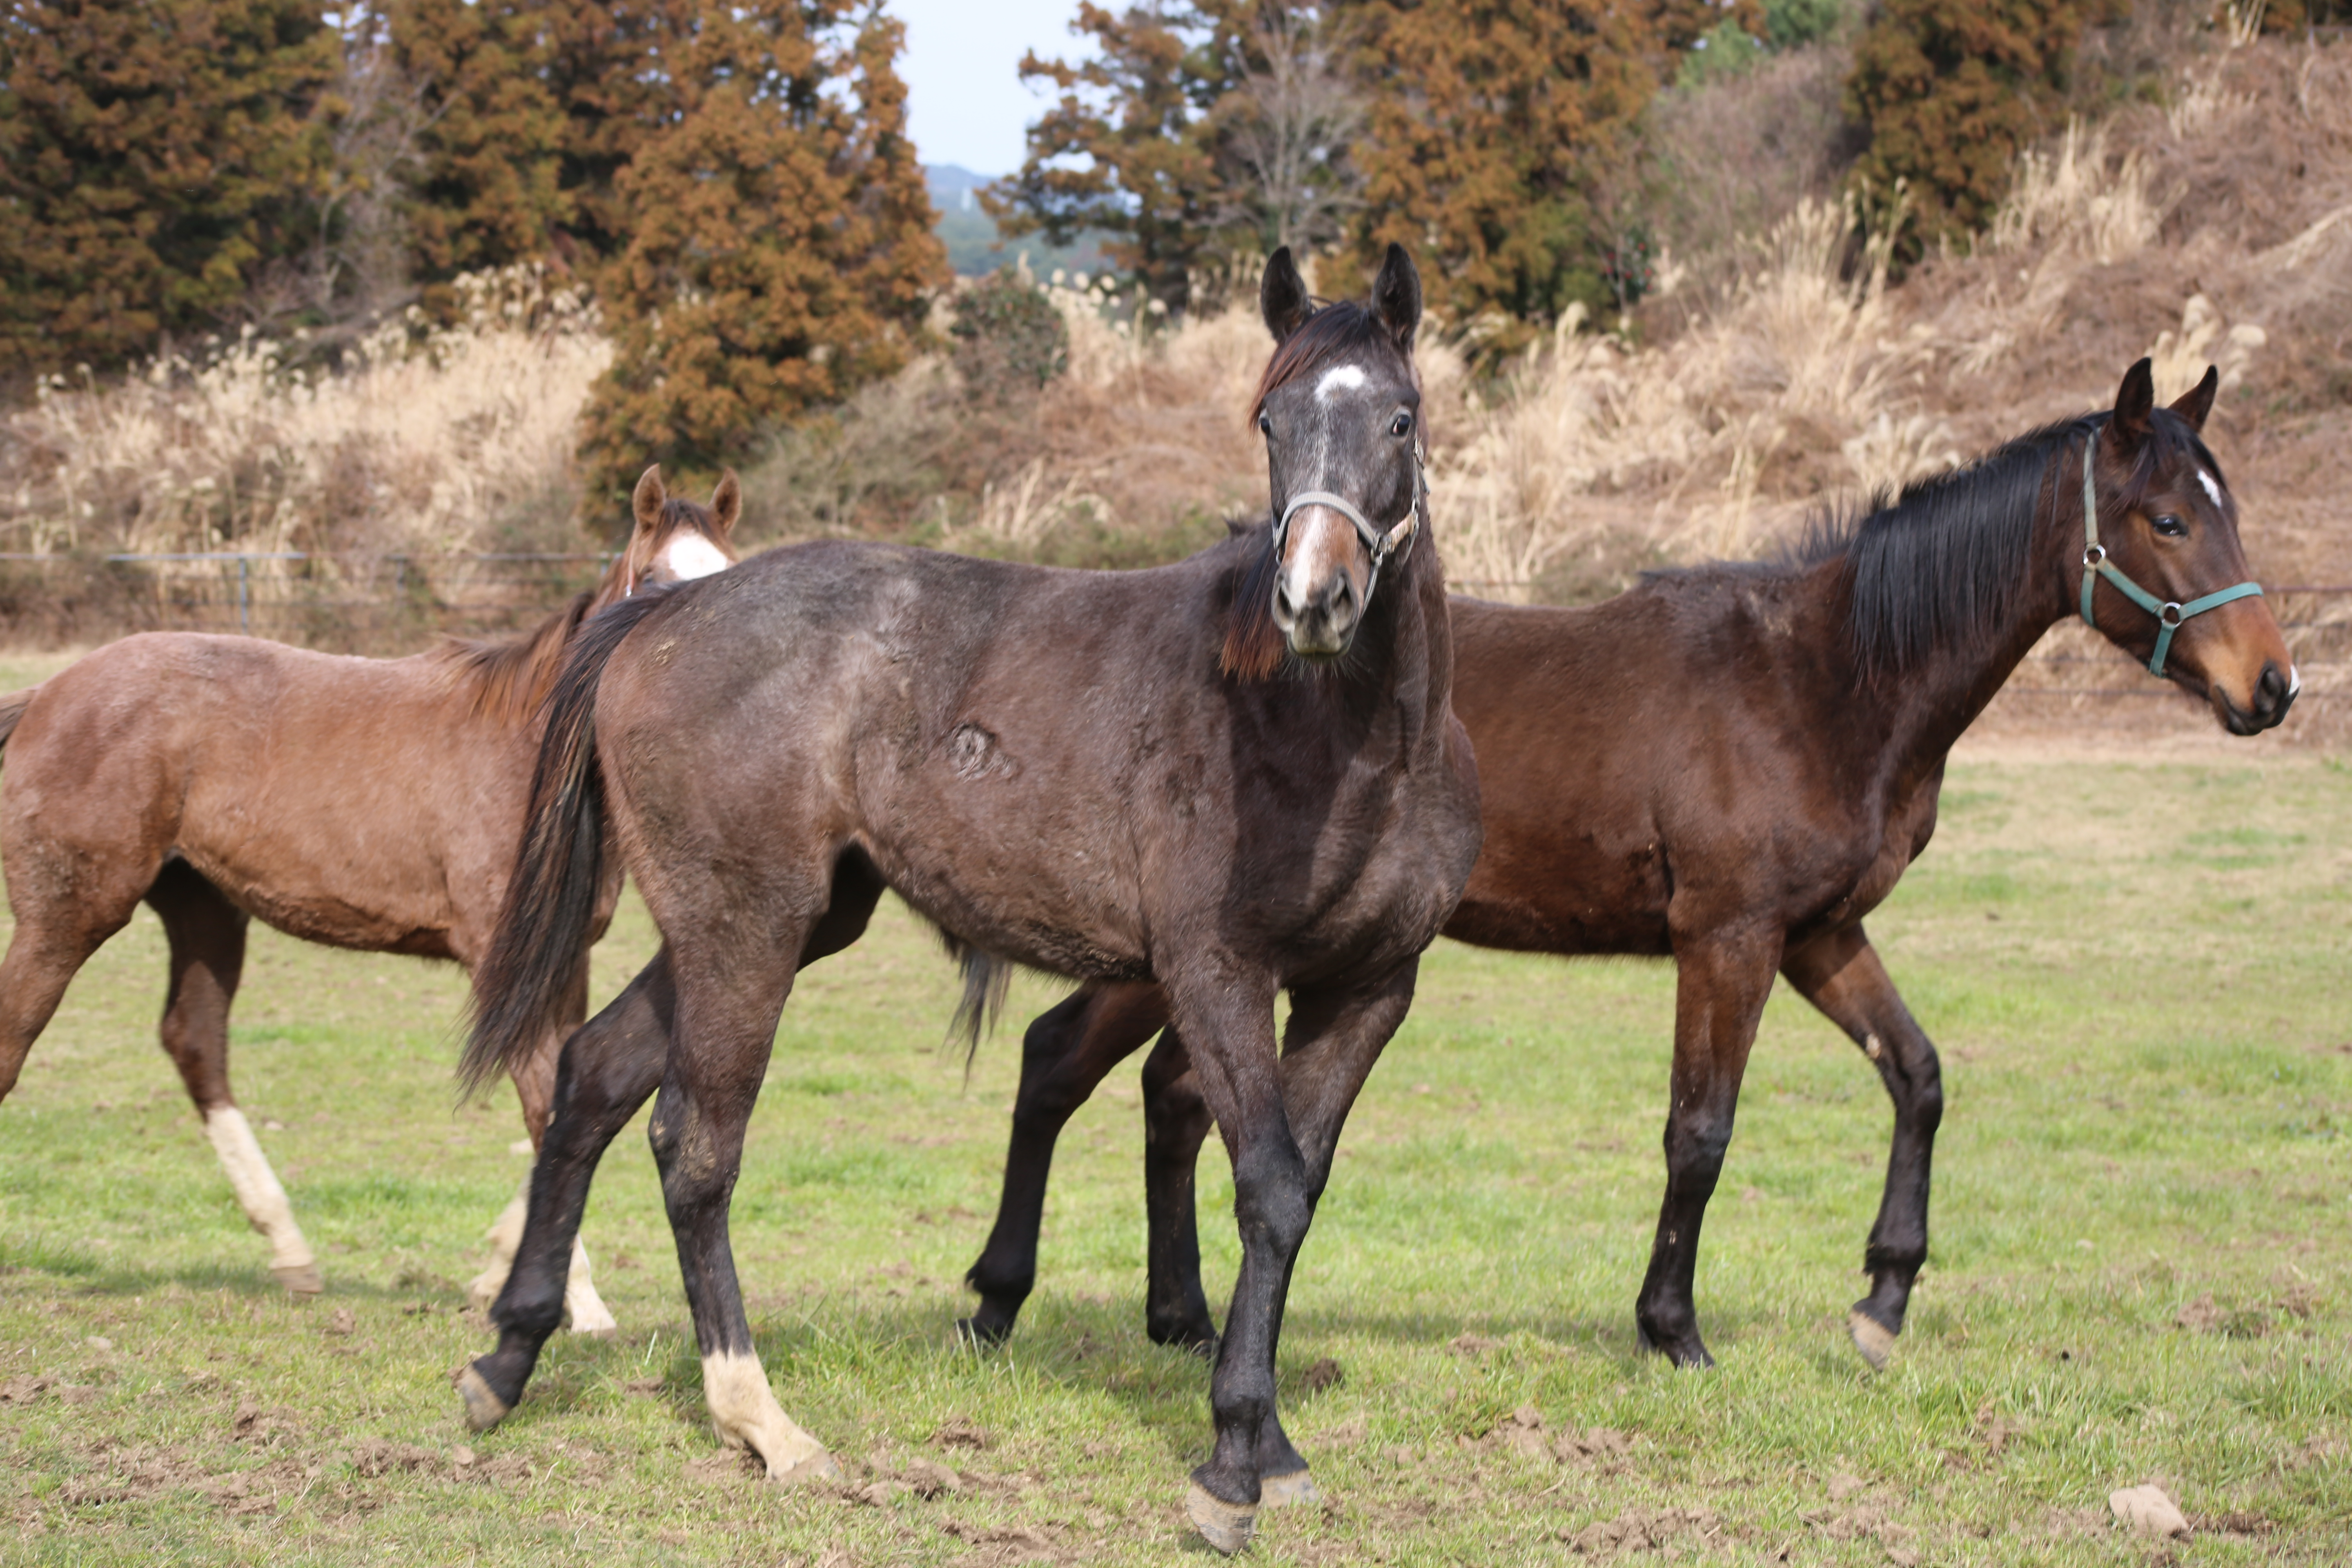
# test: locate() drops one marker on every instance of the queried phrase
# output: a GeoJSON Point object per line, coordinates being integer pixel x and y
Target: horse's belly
{"type": "Point", "coordinates": [374, 906]}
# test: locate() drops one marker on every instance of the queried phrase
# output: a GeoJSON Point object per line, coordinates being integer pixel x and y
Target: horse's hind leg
{"type": "Point", "coordinates": [1721, 982]}
{"type": "Point", "coordinates": [1175, 1123]}
{"type": "Point", "coordinates": [727, 1029]}
{"type": "Point", "coordinates": [606, 1070]}
{"type": "Point", "coordinates": [1840, 973]}
{"type": "Point", "coordinates": [1065, 1056]}
{"type": "Point", "coordinates": [534, 1080]}
{"type": "Point", "coordinates": [207, 934]}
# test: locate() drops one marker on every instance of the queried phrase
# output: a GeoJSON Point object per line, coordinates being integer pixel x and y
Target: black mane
{"type": "Point", "coordinates": [1944, 564]}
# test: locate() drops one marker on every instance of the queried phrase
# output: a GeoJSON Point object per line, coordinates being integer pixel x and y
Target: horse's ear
{"type": "Point", "coordinates": [1396, 296]}
{"type": "Point", "coordinates": [647, 502]}
{"type": "Point", "coordinates": [1282, 297]}
{"type": "Point", "coordinates": [2135, 407]}
{"type": "Point", "coordinates": [2196, 403]}
{"type": "Point", "coordinates": [727, 502]}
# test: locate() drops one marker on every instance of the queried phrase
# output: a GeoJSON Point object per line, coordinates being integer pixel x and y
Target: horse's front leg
{"type": "Point", "coordinates": [1840, 973]}
{"type": "Point", "coordinates": [1065, 1054]}
{"type": "Point", "coordinates": [1724, 976]}
{"type": "Point", "coordinates": [534, 1080]}
{"type": "Point", "coordinates": [1281, 1122]}
{"type": "Point", "coordinates": [607, 1070]}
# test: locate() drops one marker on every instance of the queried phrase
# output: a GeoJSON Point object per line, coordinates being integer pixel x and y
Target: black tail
{"type": "Point", "coordinates": [12, 710]}
{"type": "Point", "coordinates": [986, 978]}
{"type": "Point", "coordinates": [540, 949]}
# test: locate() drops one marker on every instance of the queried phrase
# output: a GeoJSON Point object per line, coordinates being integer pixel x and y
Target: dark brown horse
{"type": "Point", "coordinates": [367, 804]}
{"type": "Point", "coordinates": [1732, 765]}
{"type": "Point", "coordinates": [1101, 775]}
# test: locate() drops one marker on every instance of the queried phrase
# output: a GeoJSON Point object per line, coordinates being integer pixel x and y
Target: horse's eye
{"type": "Point", "coordinates": [2171, 526]}
{"type": "Point", "coordinates": [1402, 426]}
{"type": "Point", "coordinates": [1264, 423]}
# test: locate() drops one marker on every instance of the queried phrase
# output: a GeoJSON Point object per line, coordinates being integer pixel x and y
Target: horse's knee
{"type": "Point", "coordinates": [1695, 1144]}
{"type": "Point", "coordinates": [1272, 1201]}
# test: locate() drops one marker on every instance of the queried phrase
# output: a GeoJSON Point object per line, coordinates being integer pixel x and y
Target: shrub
{"type": "Point", "coordinates": [1009, 335]}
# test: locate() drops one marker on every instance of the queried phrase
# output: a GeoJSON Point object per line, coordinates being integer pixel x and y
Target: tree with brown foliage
{"type": "Point", "coordinates": [1950, 90]}
{"type": "Point", "coordinates": [156, 158]}
{"type": "Point", "coordinates": [488, 194]}
{"type": "Point", "coordinates": [1472, 131]}
{"type": "Point", "coordinates": [1497, 119]}
{"type": "Point", "coordinates": [779, 248]}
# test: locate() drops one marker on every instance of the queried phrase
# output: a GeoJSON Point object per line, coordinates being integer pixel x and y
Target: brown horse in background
{"type": "Point", "coordinates": [364, 804]}
{"type": "Point", "coordinates": [1731, 766]}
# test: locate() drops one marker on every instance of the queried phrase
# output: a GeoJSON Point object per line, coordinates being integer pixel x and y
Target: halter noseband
{"type": "Point", "coordinates": [2168, 613]}
{"type": "Point", "coordinates": [1380, 544]}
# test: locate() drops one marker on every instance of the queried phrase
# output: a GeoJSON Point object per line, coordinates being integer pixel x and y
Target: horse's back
{"type": "Point", "coordinates": [338, 798]}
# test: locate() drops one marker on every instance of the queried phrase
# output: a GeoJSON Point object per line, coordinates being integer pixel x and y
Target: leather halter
{"type": "Point", "coordinates": [1381, 544]}
{"type": "Point", "coordinates": [2168, 613]}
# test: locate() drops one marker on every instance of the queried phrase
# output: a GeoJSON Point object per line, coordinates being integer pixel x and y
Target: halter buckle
{"type": "Point", "coordinates": [2169, 614]}
{"type": "Point", "coordinates": [2092, 556]}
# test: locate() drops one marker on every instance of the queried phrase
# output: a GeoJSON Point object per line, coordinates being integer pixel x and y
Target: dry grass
{"type": "Point", "coordinates": [426, 440]}
{"type": "Point", "coordinates": [1769, 377]}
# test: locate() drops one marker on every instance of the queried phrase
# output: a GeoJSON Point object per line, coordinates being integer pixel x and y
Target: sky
{"type": "Point", "coordinates": [965, 101]}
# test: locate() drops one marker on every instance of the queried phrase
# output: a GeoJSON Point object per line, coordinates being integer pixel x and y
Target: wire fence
{"type": "Point", "coordinates": [359, 603]}
{"type": "Point", "coordinates": [340, 602]}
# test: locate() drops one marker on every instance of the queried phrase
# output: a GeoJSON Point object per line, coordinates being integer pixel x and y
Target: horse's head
{"type": "Point", "coordinates": [1340, 406]}
{"type": "Point", "coordinates": [674, 538]}
{"type": "Point", "coordinates": [2164, 574]}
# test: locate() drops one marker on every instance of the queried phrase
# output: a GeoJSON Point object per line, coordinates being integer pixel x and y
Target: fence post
{"type": "Point", "coordinates": [244, 621]}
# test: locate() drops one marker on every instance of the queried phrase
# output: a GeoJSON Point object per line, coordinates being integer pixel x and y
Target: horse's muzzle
{"type": "Point", "coordinates": [1319, 627]}
{"type": "Point", "coordinates": [2273, 694]}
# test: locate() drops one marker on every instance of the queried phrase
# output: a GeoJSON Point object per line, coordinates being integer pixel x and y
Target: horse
{"type": "Point", "coordinates": [1104, 775]}
{"type": "Point", "coordinates": [359, 803]}
{"type": "Point", "coordinates": [1795, 718]}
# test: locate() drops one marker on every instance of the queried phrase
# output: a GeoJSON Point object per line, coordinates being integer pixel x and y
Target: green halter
{"type": "Point", "coordinates": [2168, 613]}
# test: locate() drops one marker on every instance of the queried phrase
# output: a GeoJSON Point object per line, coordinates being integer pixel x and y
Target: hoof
{"type": "Point", "coordinates": [300, 1279]}
{"type": "Point", "coordinates": [596, 1325]}
{"type": "Point", "coordinates": [819, 1468]}
{"type": "Point", "coordinates": [1227, 1526]}
{"type": "Point", "coordinates": [484, 1409]}
{"type": "Point", "coordinates": [981, 1336]}
{"type": "Point", "coordinates": [1874, 1338]}
{"type": "Point", "coordinates": [1281, 1491]}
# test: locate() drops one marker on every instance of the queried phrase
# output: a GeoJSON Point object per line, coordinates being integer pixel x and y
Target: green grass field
{"type": "Point", "coordinates": [2142, 1264]}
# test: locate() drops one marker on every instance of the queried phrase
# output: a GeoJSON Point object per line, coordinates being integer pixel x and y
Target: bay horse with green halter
{"type": "Point", "coordinates": [1731, 766]}
{"type": "Point", "coordinates": [360, 802]}
{"type": "Point", "coordinates": [1086, 771]}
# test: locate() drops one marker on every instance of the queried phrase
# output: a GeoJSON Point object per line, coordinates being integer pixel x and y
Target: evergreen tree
{"type": "Point", "coordinates": [156, 156]}
{"type": "Point", "coordinates": [488, 194]}
{"type": "Point", "coordinates": [778, 249]}
{"type": "Point", "coordinates": [1481, 153]}
{"type": "Point", "coordinates": [1950, 90]}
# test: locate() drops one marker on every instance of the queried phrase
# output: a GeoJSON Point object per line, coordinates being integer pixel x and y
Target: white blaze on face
{"type": "Point", "coordinates": [691, 555]}
{"type": "Point", "coordinates": [744, 1410]}
{"type": "Point", "coordinates": [256, 1188]}
{"type": "Point", "coordinates": [1340, 378]}
{"type": "Point", "coordinates": [2211, 487]}
{"type": "Point", "coordinates": [1322, 542]}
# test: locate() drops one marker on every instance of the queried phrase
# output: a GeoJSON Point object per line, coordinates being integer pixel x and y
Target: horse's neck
{"type": "Point", "coordinates": [1931, 707]}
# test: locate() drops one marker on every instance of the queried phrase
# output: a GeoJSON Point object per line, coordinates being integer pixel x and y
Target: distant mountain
{"type": "Point", "coordinates": [970, 234]}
